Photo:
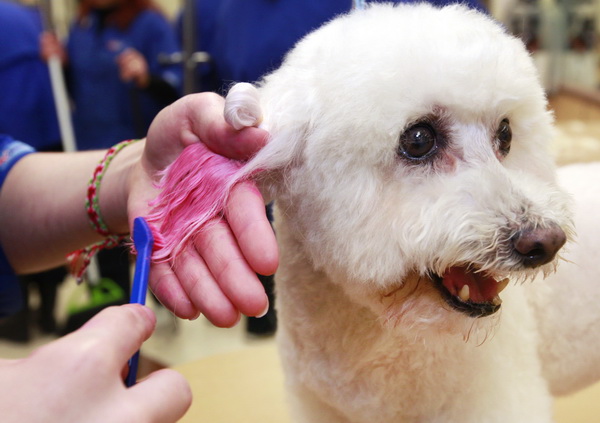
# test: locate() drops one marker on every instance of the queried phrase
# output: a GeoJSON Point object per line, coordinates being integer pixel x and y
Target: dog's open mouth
{"type": "Point", "coordinates": [469, 291]}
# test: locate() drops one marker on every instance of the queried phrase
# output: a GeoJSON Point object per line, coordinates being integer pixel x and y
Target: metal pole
{"type": "Point", "coordinates": [59, 89]}
{"type": "Point", "coordinates": [189, 58]}
{"type": "Point", "coordinates": [63, 111]}
{"type": "Point", "coordinates": [189, 47]}
{"type": "Point", "coordinates": [358, 4]}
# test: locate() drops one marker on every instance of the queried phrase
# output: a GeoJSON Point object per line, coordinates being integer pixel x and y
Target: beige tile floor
{"type": "Point", "coordinates": [176, 342]}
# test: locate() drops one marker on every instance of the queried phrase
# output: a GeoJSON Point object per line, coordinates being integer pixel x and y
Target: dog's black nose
{"type": "Point", "coordinates": [537, 246]}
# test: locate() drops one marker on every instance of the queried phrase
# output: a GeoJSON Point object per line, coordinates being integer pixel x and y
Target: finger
{"type": "Point", "coordinates": [127, 55]}
{"type": "Point", "coordinates": [167, 288]}
{"type": "Point", "coordinates": [115, 333]}
{"type": "Point", "coordinates": [236, 279]}
{"type": "Point", "coordinates": [124, 70]}
{"type": "Point", "coordinates": [131, 70]}
{"type": "Point", "coordinates": [125, 74]}
{"type": "Point", "coordinates": [203, 290]}
{"type": "Point", "coordinates": [247, 218]}
{"type": "Point", "coordinates": [239, 145]}
{"type": "Point", "coordinates": [164, 396]}
{"type": "Point", "coordinates": [198, 118]}
{"type": "Point", "coordinates": [130, 63]}
{"type": "Point", "coordinates": [7, 362]}
{"type": "Point", "coordinates": [122, 60]}
{"type": "Point", "coordinates": [210, 128]}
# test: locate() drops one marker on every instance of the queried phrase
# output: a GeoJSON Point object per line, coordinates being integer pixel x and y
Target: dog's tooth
{"type": "Point", "coordinates": [502, 284]}
{"type": "Point", "coordinates": [465, 293]}
{"type": "Point", "coordinates": [496, 301]}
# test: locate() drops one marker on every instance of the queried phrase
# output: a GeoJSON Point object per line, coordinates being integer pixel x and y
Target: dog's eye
{"type": "Point", "coordinates": [418, 141]}
{"type": "Point", "coordinates": [504, 136]}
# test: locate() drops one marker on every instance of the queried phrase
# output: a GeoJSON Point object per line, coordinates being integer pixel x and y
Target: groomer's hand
{"type": "Point", "coordinates": [216, 276]}
{"type": "Point", "coordinates": [79, 378]}
{"type": "Point", "coordinates": [133, 67]}
{"type": "Point", "coordinates": [51, 46]}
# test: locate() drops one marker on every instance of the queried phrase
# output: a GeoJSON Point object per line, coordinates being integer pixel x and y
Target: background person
{"type": "Point", "coordinates": [27, 112]}
{"type": "Point", "coordinates": [117, 84]}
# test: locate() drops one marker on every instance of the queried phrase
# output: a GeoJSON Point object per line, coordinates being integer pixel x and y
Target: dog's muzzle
{"type": "Point", "coordinates": [470, 291]}
{"type": "Point", "coordinates": [475, 293]}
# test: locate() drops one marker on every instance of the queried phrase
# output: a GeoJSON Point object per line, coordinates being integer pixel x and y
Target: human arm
{"type": "Point", "coordinates": [217, 278]}
{"type": "Point", "coordinates": [80, 377]}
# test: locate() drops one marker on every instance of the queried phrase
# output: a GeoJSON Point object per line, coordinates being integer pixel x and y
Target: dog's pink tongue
{"type": "Point", "coordinates": [482, 288]}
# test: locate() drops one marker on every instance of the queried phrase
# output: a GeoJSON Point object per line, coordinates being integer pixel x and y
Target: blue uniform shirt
{"type": "Point", "coordinates": [248, 38]}
{"type": "Point", "coordinates": [11, 299]}
{"type": "Point", "coordinates": [27, 109]}
{"type": "Point", "coordinates": [108, 110]}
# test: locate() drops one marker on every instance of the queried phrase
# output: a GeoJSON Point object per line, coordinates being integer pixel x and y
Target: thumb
{"type": "Point", "coordinates": [165, 396]}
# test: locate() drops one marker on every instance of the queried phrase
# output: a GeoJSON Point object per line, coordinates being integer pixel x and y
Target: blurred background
{"type": "Point", "coordinates": [201, 52]}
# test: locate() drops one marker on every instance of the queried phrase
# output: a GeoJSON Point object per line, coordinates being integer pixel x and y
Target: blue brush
{"type": "Point", "coordinates": [143, 241]}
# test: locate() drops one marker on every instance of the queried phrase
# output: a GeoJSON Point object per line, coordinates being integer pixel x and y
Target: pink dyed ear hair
{"type": "Point", "coordinates": [195, 188]}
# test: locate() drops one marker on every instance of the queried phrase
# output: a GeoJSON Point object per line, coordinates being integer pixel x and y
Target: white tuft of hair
{"type": "Point", "coordinates": [242, 106]}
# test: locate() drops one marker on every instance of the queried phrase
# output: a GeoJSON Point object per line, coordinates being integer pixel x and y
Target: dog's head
{"type": "Point", "coordinates": [409, 159]}
{"type": "Point", "coordinates": [410, 148]}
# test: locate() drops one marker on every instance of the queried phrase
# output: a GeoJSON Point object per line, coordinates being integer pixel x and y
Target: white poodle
{"type": "Point", "coordinates": [417, 202]}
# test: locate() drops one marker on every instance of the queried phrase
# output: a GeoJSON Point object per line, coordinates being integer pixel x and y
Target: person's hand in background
{"type": "Point", "coordinates": [133, 67]}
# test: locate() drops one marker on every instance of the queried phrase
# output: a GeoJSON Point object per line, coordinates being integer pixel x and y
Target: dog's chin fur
{"type": "Point", "coordinates": [417, 306]}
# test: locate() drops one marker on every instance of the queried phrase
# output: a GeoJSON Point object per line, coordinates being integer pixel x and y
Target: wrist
{"type": "Point", "coordinates": [115, 188]}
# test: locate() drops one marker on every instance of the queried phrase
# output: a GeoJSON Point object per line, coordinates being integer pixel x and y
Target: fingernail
{"type": "Point", "coordinates": [147, 311]}
{"type": "Point", "coordinates": [264, 312]}
{"type": "Point", "coordinates": [239, 319]}
{"type": "Point", "coordinates": [191, 319]}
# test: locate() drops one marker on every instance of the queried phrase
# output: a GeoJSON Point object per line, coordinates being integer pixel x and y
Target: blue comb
{"type": "Point", "coordinates": [143, 241]}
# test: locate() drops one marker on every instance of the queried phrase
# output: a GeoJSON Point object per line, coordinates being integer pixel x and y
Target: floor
{"type": "Point", "coordinates": [176, 342]}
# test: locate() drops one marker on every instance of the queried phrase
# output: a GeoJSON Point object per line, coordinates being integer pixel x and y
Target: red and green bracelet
{"type": "Point", "coordinates": [79, 260]}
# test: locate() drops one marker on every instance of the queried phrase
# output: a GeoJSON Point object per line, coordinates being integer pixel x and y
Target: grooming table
{"type": "Point", "coordinates": [247, 386]}
{"type": "Point", "coordinates": [243, 386]}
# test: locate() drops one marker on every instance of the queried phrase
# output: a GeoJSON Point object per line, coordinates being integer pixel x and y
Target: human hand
{"type": "Point", "coordinates": [133, 67]}
{"type": "Point", "coordinates": [50, 46]}
{"type": "Point", "coordinates": [216, 276]}
{"type": "Point", "coordinates": [79, 378]}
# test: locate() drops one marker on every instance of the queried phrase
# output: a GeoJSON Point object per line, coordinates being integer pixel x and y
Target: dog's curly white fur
{"type": "Point", "coordinates": [409, 158]}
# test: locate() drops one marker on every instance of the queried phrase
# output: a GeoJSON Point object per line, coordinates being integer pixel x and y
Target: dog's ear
{"type": "Point", "coordinates": [245, 107]}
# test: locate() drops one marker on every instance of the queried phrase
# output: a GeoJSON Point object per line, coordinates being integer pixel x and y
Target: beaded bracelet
{"type": "Point", "coordinates": [79, 260]}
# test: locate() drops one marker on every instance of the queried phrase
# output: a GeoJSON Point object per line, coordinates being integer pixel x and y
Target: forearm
{"type": "Point", "coordinates": [42, 205]}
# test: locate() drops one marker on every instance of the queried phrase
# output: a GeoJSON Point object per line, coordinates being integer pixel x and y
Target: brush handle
{"type": "Point", "coordinates": [143, 241]}
{"type": "Point", "coordinates": [131, 378]}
